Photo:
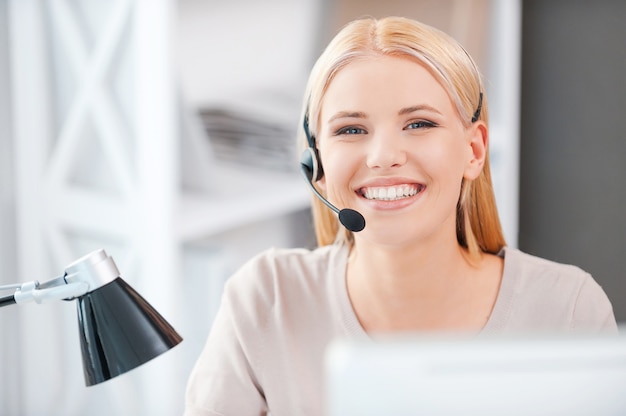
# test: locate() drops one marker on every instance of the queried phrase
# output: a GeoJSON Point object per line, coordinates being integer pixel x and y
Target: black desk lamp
{"type": "Point", "coordinates": [119, 330]}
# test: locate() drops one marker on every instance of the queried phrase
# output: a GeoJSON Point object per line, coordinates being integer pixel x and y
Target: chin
{"type": "Point", "coordinates": [388, 236]}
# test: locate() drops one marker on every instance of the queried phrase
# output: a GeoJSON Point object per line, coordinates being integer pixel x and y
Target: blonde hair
{"type": "Point", "coordinates": [478, 225]}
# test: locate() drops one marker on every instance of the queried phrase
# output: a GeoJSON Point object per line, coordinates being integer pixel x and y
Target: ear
{"type": "Point", "coordinates": [478, 140]}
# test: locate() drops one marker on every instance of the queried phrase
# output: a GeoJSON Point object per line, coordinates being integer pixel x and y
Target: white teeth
{"type": "Point", "coordinates": [390, 193]}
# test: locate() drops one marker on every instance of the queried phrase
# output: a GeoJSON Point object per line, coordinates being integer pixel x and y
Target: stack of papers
{"type": "Point", "coordinates": [251, 139]}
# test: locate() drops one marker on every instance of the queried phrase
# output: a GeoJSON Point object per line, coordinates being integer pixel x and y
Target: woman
{"type": "Point", "coordinates": [398, 125]}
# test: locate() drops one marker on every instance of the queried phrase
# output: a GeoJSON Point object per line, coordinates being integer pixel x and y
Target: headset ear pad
{"type": "Point", "coordinates": [309, 162]}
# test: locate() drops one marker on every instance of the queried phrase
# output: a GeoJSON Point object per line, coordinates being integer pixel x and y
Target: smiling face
{"type": "Point", "coordinates": [394, 148]}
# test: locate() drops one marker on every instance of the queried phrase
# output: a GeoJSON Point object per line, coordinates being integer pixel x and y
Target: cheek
{"type": "Point", "coordinates": [339, 166]}
{"type": "Point", "coordinates": [445, 161]}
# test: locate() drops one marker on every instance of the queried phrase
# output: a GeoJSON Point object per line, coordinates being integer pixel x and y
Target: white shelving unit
{"type": "Point", "coordinates": [99, 139]}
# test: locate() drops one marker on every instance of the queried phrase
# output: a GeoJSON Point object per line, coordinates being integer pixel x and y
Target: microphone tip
{"type": "Point", "coordinates": [352, 220]}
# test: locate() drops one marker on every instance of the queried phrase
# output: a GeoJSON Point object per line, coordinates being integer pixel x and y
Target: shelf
{"type": "Point", "coordinates": [241, 196]}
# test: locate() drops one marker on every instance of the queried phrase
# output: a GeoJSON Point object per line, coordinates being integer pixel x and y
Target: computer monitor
{"type": "Point", "coordinates": [571, 375]}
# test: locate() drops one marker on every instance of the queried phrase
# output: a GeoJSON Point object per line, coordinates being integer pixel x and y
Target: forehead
{"type": "Point", "coordinates": [383, 82]}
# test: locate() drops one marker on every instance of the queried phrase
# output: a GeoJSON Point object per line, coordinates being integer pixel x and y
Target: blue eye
{"type": "Point", "coordinates": [422, 124]}
{"type": "Point", "coordinates": [350, 131]}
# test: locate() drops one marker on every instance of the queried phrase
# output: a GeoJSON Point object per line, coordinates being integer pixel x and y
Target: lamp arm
{"type": "Point", "coordinates": [55, 289]}
{"type": "Point", "coordinates": [86, 274]}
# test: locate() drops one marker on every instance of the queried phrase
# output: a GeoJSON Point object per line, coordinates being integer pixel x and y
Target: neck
{"type": "Point", "coordinates": [400, 267]}
{"type": "Point", "coordinates": [411, 287]}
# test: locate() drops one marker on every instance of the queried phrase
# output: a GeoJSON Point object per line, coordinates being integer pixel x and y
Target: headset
{"type": "Point", "coordinates": [311, 169]}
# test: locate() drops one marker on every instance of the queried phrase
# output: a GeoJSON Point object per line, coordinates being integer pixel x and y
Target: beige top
{"type": "Point", "coordinates": [282, 308]}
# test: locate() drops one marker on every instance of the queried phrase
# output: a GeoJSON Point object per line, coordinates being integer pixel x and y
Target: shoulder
{"type": "Point", "coordinates": [555, 292]}
{"type": "Point", "coordinates": [287, 265]}
{"type": "Point", "coordinates": [530, 268]}
{"type": "Point", "coordinates": [532, 272]}
{"type": "Point", "coordinates": [278, 275]}
{"type": "Point", "coordinates": [276, 259]}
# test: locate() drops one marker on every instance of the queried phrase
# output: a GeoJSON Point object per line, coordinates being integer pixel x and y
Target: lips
{"type": "Point", "coordinates": [390, 193]}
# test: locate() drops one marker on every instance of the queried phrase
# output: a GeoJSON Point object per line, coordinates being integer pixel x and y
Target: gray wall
{"type": "Point", "coordinates": [573, 146]}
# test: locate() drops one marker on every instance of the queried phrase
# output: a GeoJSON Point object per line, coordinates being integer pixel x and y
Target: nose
{"type": "Point", "coordinates": [385, 151]}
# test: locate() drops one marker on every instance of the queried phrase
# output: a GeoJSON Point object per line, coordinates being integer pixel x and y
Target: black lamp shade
{"type": "Point", "coordinates": [119, 331]}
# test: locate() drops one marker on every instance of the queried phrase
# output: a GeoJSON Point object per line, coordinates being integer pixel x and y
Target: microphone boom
{"type": "Point", "coordinates": [349, 218]}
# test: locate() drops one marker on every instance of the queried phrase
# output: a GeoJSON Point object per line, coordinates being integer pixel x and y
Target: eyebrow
{"type": "Point", "coordinates": [404, 111]}
{"type": "Point", "coordinates": [348, 114]}
{"type": "Point", "coordinates": [420, 107]}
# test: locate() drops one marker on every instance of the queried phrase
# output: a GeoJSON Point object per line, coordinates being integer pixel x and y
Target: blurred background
{"type": "Point", "coordinates": [163, 131]}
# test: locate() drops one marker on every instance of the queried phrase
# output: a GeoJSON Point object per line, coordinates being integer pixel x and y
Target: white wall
{"type": "Point", "coordinates": [6, 150]}
{"type": "Point", "coordinates": [245, 49]}
{"type": "Point", "coordinates": [503, 87]}
{"type": "Point", "coordinates": [8, 316]}
{"type": "Point", "coordinates": [7, 229]}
